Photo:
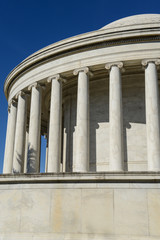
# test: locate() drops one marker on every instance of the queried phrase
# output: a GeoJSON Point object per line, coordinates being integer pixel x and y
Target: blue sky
{"type": "Point", "coordinates": [27, 26]}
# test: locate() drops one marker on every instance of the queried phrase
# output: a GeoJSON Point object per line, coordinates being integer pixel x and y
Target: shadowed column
{"type": "Point", "coordinates": [19, 146]}
{"type": "Point", "coordinates": [33, 164]}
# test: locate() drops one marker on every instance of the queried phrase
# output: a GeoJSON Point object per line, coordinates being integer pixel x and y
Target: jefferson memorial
{"type": "Point", "coordinates": [95, 98]}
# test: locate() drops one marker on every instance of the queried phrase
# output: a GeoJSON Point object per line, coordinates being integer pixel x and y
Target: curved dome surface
{"type": "Point", "coordinates": [136, 20]}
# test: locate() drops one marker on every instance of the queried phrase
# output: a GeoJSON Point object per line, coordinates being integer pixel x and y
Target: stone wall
{"type": "Point", "coordinates": [134, 124]}
{"type": "Point", "coordinates": [82, 206]}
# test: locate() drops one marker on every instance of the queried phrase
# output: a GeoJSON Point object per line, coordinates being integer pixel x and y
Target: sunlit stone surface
{"type": "Point", "coordinates": [95, 97]}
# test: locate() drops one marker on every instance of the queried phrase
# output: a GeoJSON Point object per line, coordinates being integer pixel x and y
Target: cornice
{"type": "Point", "coordinates": [102, 177]}
{"type": "Point", "coordinates": [83, 42]}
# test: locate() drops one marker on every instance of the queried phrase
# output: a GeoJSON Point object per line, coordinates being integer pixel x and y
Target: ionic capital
{"type": "Point", "coordinates": [36, 85]}
{"type": "Point", "coordinates": [20, 93]}
{"type": "Point", "coordinates": [108, 66]}
{"type": "Point", "coordinates": [83, 69]}
{"type": "Point", "coordinates": [145, 62]}
{"type": "Point", "coordinates": [56, 77]}
{"type": "Point", "coordinates": [12, 102]}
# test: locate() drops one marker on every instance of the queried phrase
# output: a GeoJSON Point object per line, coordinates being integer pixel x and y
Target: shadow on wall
{"type": "Point", "coordinates": [69, 125]}
{"type": "Point", "coordinates": [99, 119]}
{"type": "Point", "coordinates": [133, 119]}
{"type": "Point", "coordinates": [133, 127]}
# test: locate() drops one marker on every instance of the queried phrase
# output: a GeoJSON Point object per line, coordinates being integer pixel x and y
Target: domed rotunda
{"type": "Point", "coordinates": [95, 98]}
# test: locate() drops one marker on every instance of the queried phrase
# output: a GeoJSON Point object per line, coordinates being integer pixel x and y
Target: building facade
{"type": "Point", "coordinates": [95, 97]}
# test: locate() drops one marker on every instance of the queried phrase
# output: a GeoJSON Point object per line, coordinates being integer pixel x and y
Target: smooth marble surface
{"type": "Point", "coordinates": [80, 210]}
{"type": "Point", "coordinates": [55, 128]}
{"type": "Point", "coordinates": [33, 164]}
{"type": "Point", "coordinates": [10, 138]}
{"type": "Point", "coordinates": [19, 142]}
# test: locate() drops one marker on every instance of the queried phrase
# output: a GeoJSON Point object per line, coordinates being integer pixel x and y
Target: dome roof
{"type": "Point", "coordinates": [136, 21]}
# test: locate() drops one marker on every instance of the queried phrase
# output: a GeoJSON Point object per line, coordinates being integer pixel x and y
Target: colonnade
{"type": "Point", "coordinates": [17, 117]}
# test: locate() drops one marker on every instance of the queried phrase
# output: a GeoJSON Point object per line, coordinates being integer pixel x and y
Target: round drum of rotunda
{"type": "Point", "coordinates": [95, 97]}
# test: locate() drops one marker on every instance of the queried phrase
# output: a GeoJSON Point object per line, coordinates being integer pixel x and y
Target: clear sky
{"type": "Point", "coordinates": [27, 26]}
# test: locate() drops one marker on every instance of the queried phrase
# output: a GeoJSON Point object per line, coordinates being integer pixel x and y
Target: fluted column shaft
{"type": "Point", "coordinates": [115, 117]}
{"type": "Point", "coordinates": [54, 143]}
{"type": "Point", "coordinates": [19, 146]}
{"type": "Point", "coordinates": [33, 164]}
{"type": "Point", "coordinates": [152, 114]}
{"type": "Point", "coordinates": [10, 136]}
{"type": "Point", "coordinates": [81, 162]}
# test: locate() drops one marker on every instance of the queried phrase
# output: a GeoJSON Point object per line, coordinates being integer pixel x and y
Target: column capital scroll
{"type": "Point", "coordinates": [20, 93]}
{"type": "Point", "coordinates": [83, 69]}
{"type": "Point", "coordinates": [56, 77]}
{"type": "Point", "coordinates": [151, 60]}
{"type": "Point", "coordinates": [36, 85]}
{"type": "Point", "coordinates": [120, 65]}
{"type": "Point", "coordinates": [12, 101]}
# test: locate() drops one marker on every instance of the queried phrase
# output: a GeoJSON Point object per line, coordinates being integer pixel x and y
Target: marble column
{"type": "Point", "coordinates": [81, 162]}
{"type": "Point", "coordinates": [19, 146]}
{"type": "Point", "coordinates": [26, 150]}
{"type": "Point", "coordinates": [116, 149]}
{"type": "Point", "coordinates": [152, 113]}
{"type": "Point", "coordinates": [54, 142]}
{"type": "Point", "coordinates": [10, 136]}
{"type": "Point", "coordinates": [33, 164]}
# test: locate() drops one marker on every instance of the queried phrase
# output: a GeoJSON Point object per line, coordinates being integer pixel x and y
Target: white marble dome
{"type": "Point", "coordinates": [136, 21]}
